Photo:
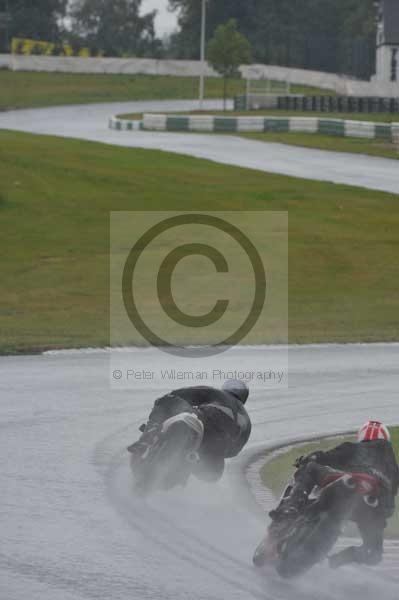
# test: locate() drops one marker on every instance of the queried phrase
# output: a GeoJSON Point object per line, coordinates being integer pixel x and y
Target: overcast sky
{"type": "Point", "coordinates": [165, 21]}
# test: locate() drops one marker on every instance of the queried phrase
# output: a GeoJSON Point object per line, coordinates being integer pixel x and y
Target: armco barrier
{"type": "Point", "coordinates": [339, 83]}
{"type": "Point", "coordinates": [317, 79]}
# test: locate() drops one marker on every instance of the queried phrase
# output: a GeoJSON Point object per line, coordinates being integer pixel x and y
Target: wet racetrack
{"type": "Point", "coordinates": [72, 528]}
{"type": "Point", "coordinates": [90, 122]}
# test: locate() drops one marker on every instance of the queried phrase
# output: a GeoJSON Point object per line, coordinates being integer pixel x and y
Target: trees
{"type": "Point", "coordinates": [218, 12]}
{"type": "Point", "coordinates": [227, 50]}
{"type": "Point", "coordinates": [357, 38]}
{"type": "Point", "coordinates": [38, 20]}
{"type": "Point", "coordinates": [116, 27]}
{"type": "Point", "coordinates": [327, 35]}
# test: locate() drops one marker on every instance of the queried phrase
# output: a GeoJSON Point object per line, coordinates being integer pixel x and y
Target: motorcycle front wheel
{"type": "Point", "coordinates": [308, 542]}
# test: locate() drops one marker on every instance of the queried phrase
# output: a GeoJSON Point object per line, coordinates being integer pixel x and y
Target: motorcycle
{"type": "Point", "coordinates": [294, 544]}
{"type": "Point", "coordinates": [168, 461]}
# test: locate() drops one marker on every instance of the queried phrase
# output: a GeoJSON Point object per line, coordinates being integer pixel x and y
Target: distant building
{"type": "Point", "coordinates": [387, 64]}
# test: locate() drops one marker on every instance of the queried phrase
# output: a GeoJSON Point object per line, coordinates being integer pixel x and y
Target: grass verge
{"type": "Point", "coordinates": [31, 90]}
{"type": "Point", "coordinates": [373, 117]}
{"type": "Point", "coordinates": [353, 145]}
{"type": "Point", "coordinates": [55, 199]}
{"type": "Point", "coordinates": [279, 470]}
{"type": "Point", "coordinates": [371, 147]}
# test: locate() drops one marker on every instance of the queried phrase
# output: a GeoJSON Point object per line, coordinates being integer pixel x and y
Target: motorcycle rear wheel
{"type": "Point", "coordinates": [165, 466]}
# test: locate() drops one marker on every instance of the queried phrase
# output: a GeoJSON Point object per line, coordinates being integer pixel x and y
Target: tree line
{"type": "Point", "coordinates": [106, 27]}
{"type": "Point", "coordinates": [328, 35]}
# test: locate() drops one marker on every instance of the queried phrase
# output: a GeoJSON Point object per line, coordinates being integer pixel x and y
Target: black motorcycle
{"type": "Point", "coordinates": [293, 545]}
{"type": "Point", "coordinates": [169, 459]}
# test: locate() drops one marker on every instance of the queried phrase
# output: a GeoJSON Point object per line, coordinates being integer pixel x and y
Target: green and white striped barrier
{"type": "Point", "coordinates": [124, 124]}
{"type": "Point", "coordinates": [204, 123]}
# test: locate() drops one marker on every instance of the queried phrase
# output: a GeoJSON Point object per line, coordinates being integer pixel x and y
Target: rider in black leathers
{"type": "Point", "coordinates": [374, 456]}
{"type": "Point", "coordinates": [227, 426]}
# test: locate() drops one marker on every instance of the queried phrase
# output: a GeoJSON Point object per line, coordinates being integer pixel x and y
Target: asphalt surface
{"type": "Point", "coordinates": [71, 526]}
{"type": "Point", "coordinates": [90, 122]}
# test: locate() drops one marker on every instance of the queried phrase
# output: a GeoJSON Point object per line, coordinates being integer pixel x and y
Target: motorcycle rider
{"type": "Point", "coordinates": [373, 453]}
{"type": "Point", "coordinates": [221, 415]}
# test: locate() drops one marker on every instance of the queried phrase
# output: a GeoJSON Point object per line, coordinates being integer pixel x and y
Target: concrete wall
{"type": "Point", "coordinates": [75, 64]}
{"type": "Point", "coordinates": [186, 68]}
{"type": "Point", "coordinates": [5, 61]}
{"type": "Point", "coordinates": [166, 67]}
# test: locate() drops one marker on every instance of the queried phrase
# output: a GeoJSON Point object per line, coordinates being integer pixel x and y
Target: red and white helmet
{"type": "Point", "coordinates": [373, 430]}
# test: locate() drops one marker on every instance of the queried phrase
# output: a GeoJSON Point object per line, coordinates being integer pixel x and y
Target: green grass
{"type": "Point", "coordinates": [276, 473]}
{"type": "Point", "coordinates": [55, 199]}
{"type": "Point", "coordinates": [133, 116]}
{"type": "Point", "coordinates": [332, 143]}
{"type": "Point", "coordinates": [32, 90]}
{"type": "Point", "coordinates": [353, 145]}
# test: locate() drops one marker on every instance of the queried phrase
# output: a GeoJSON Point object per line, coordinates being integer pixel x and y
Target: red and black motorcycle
{"type": "Point", "coordinates": [293, 545]}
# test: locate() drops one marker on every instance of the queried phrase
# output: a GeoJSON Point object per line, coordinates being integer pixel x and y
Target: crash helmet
{"type": "Point", "coordinates": [238, 388]}
{"type": "Point", "coordinates": [373, 430]}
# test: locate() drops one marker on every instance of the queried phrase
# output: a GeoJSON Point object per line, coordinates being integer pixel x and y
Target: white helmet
{"type": "Point", "coordinates": [373, 430]}
{"type": "Point", "coordinates": [238, 388]}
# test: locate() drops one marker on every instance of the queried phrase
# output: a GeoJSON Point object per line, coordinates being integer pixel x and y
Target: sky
{"type": "Point", "coordinates": [165, 21]}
